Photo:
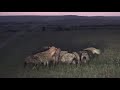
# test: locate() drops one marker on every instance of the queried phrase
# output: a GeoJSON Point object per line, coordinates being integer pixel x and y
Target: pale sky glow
{"type": "Point", "coordinates": [61, 13]}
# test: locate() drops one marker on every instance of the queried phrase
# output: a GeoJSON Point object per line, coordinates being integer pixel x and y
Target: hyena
{"type": "Point", "coordinates": [45, 48]}
{"type": "Point", "coordinates": [47, 56]}
{"type": "Point", "coordinates": [56, 56]}
{"type": "Point", "coordinates": [41, 58]}
{"type": "Point", "coordinates": [31, 60]}
{"type": "Point", "coordinates": [93, 52]}
{"type": "Point", "coordinates": [68, 58]}
{"type": "Point", "coordinates": [62, 53]}
{"type": "Point", "coordinates": [84, 56]}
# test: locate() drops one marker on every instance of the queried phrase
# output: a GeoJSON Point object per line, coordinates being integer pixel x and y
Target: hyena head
{"type": "Point", "coordinates": [30, 60]}
{"type": "Point", "coordinates": [27, 61]}
{"type": "Point", "coordinates": [52, 50]}
{"type": "Point", "coordinates": [45, 48]}
{"type": "Point", "coordinates": [84, 57]}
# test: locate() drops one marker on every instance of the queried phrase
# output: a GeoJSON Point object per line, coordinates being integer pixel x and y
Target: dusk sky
{"type": "Point", "coordinates": [62, 13]}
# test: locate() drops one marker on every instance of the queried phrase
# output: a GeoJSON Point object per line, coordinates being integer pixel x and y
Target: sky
{"type": "Point", "coordinates": [61, 13]}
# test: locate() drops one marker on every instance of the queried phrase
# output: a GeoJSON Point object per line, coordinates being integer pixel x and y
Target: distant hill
{"type": "Point", "coordinates": [64, 20]}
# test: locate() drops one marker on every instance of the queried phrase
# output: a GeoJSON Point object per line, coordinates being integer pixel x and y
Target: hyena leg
{"type": "Point", "coordinates": [47, 63]}
{"type": "Point", "coordinates": [25, 64]}
{"type": "Point", "coordinates": [79, 62]}
{"type": "Point", "coordinates": [44, 63]}
{"type": "Point", "coordinates": [54, 63]}
{"type": "Point", "coordinates": [75, 62]}
{"type": "Point", "coordinates": [37, 66]}
{"type": "Point", "coordinates": [34, 66]}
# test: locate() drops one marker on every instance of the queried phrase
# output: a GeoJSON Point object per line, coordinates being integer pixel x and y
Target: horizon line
{"type": "Point", "coordinates": [61, 15]}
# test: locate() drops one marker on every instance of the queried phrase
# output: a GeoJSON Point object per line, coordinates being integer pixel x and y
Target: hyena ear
{"type": "Point", "coordinates": [80, 52]}
{"type": "Point", "coordinates": [49, 46]}
{"type": "Point", "coordinates": [59, 50]}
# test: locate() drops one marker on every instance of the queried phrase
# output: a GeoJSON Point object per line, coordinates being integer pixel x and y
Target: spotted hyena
{"type": "Point", "coordinates": [84, 56]}
{"type": "Point", "coordinates": [31, 61]}
{"type": "Point", "coordinates": [47, 56]}
{"type": "Point", "coordinates": [56, 56]}
{"type": "Point", "coordinates": [41, 58]}
{"type": "Point", "coordinates": [93, 52]}
{"type": "Point", "coordinates": [68, 58]}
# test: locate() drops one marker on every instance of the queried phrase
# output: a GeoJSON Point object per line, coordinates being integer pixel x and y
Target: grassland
{"type": "Point", "coordinates": [22, 43]}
